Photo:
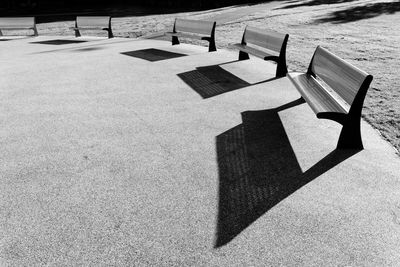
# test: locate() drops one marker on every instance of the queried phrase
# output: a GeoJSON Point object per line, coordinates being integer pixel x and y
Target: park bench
{"type": "Point", "coordinates": [18, 23]}
{"type": "Point", "coordinates": [265, 44]}
{"type": "Point", "coordinates": [93, 23]}
{"type": "Point", "coordinates": [194, 29]}
{"type": "Point", "coordinates": [335, 90]}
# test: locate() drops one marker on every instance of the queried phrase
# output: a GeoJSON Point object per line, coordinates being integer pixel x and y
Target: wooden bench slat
{"type": "Point", "coordinates": [194, 26]}
{"type": "Point", "coordinates": [340, 75]}
{"type": "Point", "coordinates": [253, 51]}
{"type": "Point", "coordinates": [264, 38]}
{"type": "Point", "coordinates": [319, 99]}
{"type": "Point", "coordinates": [18, 27]}
{"type": "Point", "coordinates": [186, 35]}
{"type": "Point", "coordinates": [93, 21]}
{"type": "Point", "coordinates": [89, 28]}
{"type": "Point", "coordinates": [18, 23]}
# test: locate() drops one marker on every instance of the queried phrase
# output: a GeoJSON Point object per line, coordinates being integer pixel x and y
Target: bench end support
{"type": "Point", "coordinates": [76, 29]}
{"type": "Point", "coordinates": [212, 47]}
{"type": "Point", "coordinates": [350, 137]}
{"type": "Point", "coordinates": [281, 68]}
{"type": "Point", "coordinates": [175, 40]}
{"type": "Point", "coordinates": [110, 33]}
{"type": "Point", "coordinates": [243, 55]}
{"type": "Point", "coordinates": [35, 31]}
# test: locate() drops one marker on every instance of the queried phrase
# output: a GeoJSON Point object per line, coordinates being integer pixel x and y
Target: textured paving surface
{"type": "Point", "coordinates": [198, 160]}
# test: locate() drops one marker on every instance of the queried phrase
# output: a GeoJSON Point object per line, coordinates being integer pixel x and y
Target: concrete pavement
{"type": "Point", "coordinates": [111, 156]}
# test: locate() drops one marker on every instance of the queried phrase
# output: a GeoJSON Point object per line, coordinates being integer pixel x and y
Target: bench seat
{"type": "Point", "coordinates": [187, 35]}
{"type": "Point", "coordinates": [255, 52]}
{"type": "Point", "coordinates": [319, 99]}
{"type": "Point", "coordinates": [89, 28]}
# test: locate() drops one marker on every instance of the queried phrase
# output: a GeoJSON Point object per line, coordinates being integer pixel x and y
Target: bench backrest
{"type": "Point", "coordinates": [93, 21]}
{"type": "Point", "coordinates": [195, 26]}
{"type": "Point", "coordinates": [17, 22]}
{"type": "Point", "coordinates": [268, 39]}
{"type": "Point", "coordinates": [341, 76]}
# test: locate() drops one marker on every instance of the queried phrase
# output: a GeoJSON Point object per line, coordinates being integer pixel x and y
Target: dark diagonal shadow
{"type": "Point", "coordinates": [258, 168]}
{"type": "Point", "coordinates": [59, 42]}
{"type": "Point", "coordinates": [361, 12]}
{"type": "Point", "coordinates": [153, 54]}
{"type": "Point", "coordinates": [87, 49]}
{"type": "Point", "coordinates": [213, 80]}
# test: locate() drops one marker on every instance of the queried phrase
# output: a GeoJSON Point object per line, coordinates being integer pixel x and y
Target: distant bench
{"type": "Point", "coordinates": [265, 44]}
{"type": "Point", "coordinates": [18, 23]}
{"type": "Point", "coordinates": [93, 23]}
{"type": "Point", "coordinates": [339, 96]}
{"type": "Point", "coordinates": [194, 29]}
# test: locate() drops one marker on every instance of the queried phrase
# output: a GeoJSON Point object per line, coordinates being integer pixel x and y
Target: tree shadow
{"type": "Point", "coordinates": [299, 3]}
{"type": "Point", "coordinates": [62, 10]}
{"type": "Point", "coordinates": [258, 168]}
{"type": "Point", "coordinates": [210, 81]}
{"type": "Point", "coordinates": [69, 12]}
{"type": "Point", "coordinates": [361, 12]}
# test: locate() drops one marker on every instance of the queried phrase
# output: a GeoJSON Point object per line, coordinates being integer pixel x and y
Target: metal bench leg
{"type": "Point", "coordinates": [35, 31]}
{"type": "Point", "coordinates": [175, 40]}
{"type": "Point", "coordinates": [281, 69]}
{"type": "Point", "coordinates": [212, 46]}
{"type": "Point", "coordinates": [350, 136]}
{"type": "Point", "coordinates": [243, 55]}
{"type": "Point", "coordinates": [77, 33]}
{"type": "Point", "coordinates": [110, 33]}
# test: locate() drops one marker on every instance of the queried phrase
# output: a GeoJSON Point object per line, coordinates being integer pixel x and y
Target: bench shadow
{"type": "Point", "coordinates": [15, 37]}
{"type": "Point", "coordinates": [210, 81]}
{"type": "Point", "coordinates": [87, 49]}
{"type": "Point", "coordinates": [360, 12]}
{"type": "Point", "coordinates": [258, 168]}
{"type": "Point", "coordinates": [152, 54]}
{"type": "Point", "coordinates": [58, 42]}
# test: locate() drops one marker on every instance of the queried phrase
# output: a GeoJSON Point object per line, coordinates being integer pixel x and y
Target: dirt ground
{"type": "Point", "coordinates": [366, 33]}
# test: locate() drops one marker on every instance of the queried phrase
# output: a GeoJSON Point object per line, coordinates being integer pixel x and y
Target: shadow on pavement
{"type": "Point", "coordinates": [153, 54]}
{"type": "Point", "coordinates": [361, 12]}
{"type": "Point", "coordinates": [59, 42]}
{"type": "Point", "coordinates": [213, 80]}
{"type": "Point", "coordinates": [258, 168]}
{"type": "Point", "coordinates": [87, 49]}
